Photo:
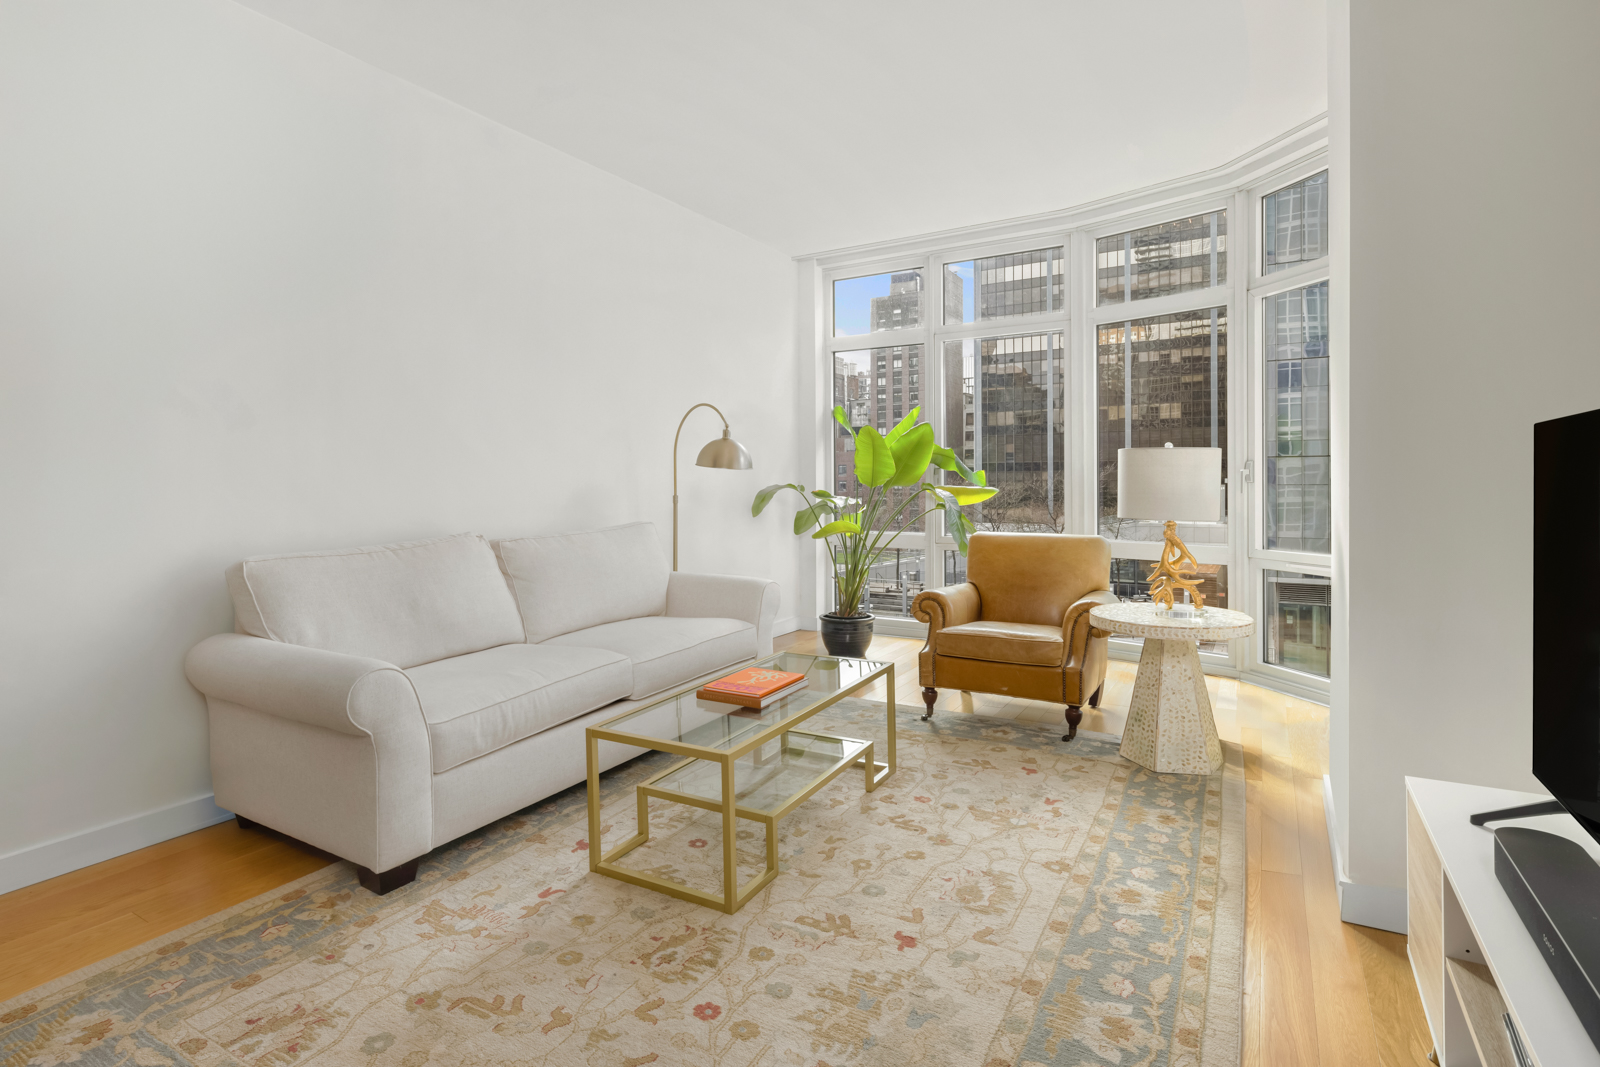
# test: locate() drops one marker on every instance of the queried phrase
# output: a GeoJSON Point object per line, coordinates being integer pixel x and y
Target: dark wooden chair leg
{"type": "Point", "coordinates": [1094, 701]}
{"type": "Point", "coordinates": [1074, 717]}
{"type": "Point", "coordinates": [246, 824]}
{"type": "Point", "coordinates": [929, 695]}
{"type": "Point", "coordinates": [387, 881]}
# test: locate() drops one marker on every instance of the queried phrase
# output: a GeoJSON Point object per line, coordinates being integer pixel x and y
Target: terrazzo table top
{"type": "Point", "coordinates": [1149, 620]}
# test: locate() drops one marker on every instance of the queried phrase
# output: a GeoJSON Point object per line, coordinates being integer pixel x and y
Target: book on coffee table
{"type": "Point", "coordinates": [753, 687]}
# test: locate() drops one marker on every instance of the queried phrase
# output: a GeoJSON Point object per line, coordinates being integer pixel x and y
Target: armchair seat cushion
{"type": "Point", "coordinates": [666, 650]}
{"type": "Point", "coordinates": [1004, 642]}
{"type": "Point", "coordinates": [481, 702]}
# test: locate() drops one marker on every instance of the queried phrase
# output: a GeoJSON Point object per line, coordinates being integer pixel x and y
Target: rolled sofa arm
{"type": "Point", "coordinates": [726, 596]}
{"type": "Point", "coordinates": [1076, 629]}
{"type": "Point", "coordinates": [952, 605]}
{"type": "Point", "coordinates": [319, 688]}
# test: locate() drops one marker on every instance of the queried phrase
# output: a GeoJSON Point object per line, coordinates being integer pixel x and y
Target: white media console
{"type": "Point", "coordinates": [1473, 960]}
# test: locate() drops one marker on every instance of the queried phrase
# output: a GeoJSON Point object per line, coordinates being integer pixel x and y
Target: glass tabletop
{"type": "Point", "coordinates": [766, 781]}
{"type": "Point", "coordinates": [686, 719]}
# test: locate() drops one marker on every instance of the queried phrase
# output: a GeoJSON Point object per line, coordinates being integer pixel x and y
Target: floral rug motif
{"type": "Point", "coordinates": [1004, 899]}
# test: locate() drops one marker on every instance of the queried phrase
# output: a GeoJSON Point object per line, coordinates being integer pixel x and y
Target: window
{"type": "Point", "coordinates": [1297, 616]}
{"type": "Point", "coordinates": [1173, 257]}
{"type": "Point", "coordinates": [1296, 509]}
{"type": "Point", "coordinates": [1003, 413]}
{"type": "Point", "coordinates": [1159, 380]}
{"type": "Point", "coordinates": [1294, 224]}
{"type": "Point", "coordinates": [1019, 283]}
{"type": "Point", "coordinates": [878, 302]}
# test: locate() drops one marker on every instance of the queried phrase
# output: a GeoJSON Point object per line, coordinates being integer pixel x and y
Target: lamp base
{"type": "Point", "coordinates": [1167, 576]}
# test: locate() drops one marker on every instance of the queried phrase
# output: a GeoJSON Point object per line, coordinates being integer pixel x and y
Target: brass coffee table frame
{"type": "Point", "coordinates": [733, 895]}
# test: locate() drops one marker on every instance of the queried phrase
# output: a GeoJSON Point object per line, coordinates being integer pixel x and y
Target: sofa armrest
{"type": "Point", "coordinates": [346, 694]}
{"type": "Point", "coordinates": [726, 596]}
{"type": "Point", "coordinates": [952, 605]}
{"type": "Point", "coordinates": [1076, 630]}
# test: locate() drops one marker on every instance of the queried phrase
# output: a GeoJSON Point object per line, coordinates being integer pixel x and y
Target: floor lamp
{"type": "Point", "coordinates": [723, 452]}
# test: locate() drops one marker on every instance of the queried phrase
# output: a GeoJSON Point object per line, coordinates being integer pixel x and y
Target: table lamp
{"type": "Point", "coordinates": [1171, 485]}
{"type": "Point", "coordinates": [722, 452]}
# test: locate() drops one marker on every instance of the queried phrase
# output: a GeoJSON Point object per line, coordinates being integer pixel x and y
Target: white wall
{"type": "Point", "coordinates": [1464, 137]}
{"type": "Point", "coordinates": [256, 296]}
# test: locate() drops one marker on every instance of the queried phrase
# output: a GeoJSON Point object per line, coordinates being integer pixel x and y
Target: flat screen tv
{"type": "Point", "coordinates": [1566, 613]}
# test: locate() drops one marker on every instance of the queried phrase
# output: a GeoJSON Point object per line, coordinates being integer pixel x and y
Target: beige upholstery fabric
{"type": "Point", "coordinates": [567, 582]}
{"type": "Point", "coordinates": [476, 793]}
{"type": "Point", "coordinates": [1004, 642]}
{"type": "Point", "coordinates": [666, 651]}
{"type": "Point", "coordinates": [333, 750]}
{"type": "Point", "coordinates": [480, 702]}
{"type": "Point", "coordinates": [405, 604]}
{"type": "Point", "coordinates": [727, 596]}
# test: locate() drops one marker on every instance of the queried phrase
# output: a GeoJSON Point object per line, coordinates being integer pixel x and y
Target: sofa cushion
{"type": "Point", "coordinates": [567, 582]}
{"type": "Point", "coordinates": [666, 651]}
{"type": "Point", "coordinates": [405, 603]}
{"type": "Point", "coordinates": [1003, 642]}
{"type": "Point", "coordinates": [481, 702]}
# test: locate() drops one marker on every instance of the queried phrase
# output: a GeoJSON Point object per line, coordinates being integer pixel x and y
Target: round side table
{"type": "Point", "coordinates": [1170, 728]}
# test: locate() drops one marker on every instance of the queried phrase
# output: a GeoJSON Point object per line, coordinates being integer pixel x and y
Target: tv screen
{"type": "Point", "coordinates": [1566, 613]}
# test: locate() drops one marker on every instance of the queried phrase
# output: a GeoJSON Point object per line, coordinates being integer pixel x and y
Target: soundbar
{"type": "Point", "coordinates": [1555, 886]}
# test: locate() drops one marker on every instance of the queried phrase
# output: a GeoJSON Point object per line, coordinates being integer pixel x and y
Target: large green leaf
{"type": "Point", "coordinates": [806, 518]}
{"type": "Point", "coordinates": [822, 494]}
{"type": "Point", "coordinates": [911, 453]}
{"type": "Point", "coordinates": [837, 526]}
{"type": "Point", "coordinates": [841, 418]}
{"type": "Point", "coordinates": [946, 459]}
{"type": "Point", "coordinates": [874, 464]}
{"type": "Point", "coordinates": [969, 494]}
{"type": "Point", "coordinates": [903, 425]}
{"type": "Point", "coordinates": [764, 497]}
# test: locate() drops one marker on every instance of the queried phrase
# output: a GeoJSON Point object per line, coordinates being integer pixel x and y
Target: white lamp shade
{"type": "Point", "coordinates": [1182, 484]}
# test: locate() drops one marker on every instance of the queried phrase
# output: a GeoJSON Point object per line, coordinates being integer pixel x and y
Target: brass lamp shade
{"type": "Point", "coordinates": [724, 452]}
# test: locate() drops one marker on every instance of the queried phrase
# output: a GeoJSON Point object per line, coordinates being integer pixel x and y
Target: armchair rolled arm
{"type": "Point", "coordinates": [726, 596]}
{"type": "Point", "coordinates": [308, 685]}
{"type": "Point", "coordinates": [952, 605]}
{"type": "Point", "coordinates": [1076, 630]}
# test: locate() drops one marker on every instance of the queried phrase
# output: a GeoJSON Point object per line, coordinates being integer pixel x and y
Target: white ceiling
{"type": "Point", "coordinates": [824, 124]}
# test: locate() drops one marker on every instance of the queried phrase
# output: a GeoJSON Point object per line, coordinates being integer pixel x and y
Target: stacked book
{"type": "Point", "coordinates": [753, 687]}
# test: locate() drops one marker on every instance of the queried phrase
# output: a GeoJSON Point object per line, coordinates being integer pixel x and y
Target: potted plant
{"type": "Point", "coordinates": [858, 532]}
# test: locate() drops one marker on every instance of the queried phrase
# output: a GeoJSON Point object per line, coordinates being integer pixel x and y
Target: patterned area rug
{"type": "Point", "coordinates": [1004, 899]}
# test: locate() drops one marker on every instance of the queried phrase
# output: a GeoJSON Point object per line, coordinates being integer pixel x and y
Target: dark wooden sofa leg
{"type": "Point", "coordinates": [929, 695]}
{"type": "Point", "coordinates": [387, 881]}
{"type": "Point", "coordinates": [1074, 717]}
{"type": "Point", "coordinates": [246, 824]}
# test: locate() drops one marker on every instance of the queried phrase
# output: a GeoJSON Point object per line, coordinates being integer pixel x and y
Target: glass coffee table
{"type": "Point", "coordinates": [742, 762]}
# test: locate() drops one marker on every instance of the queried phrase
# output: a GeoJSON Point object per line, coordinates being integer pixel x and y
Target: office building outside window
{"type": "Point", "coordinates": [1296, 490]}
{"type": "Point", "coordinates": [1173, 257]}
{"type": "Point", "coordinates": [1294, 224]}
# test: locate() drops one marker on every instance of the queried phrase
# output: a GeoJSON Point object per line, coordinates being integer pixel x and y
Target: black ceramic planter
{"type": "Point", "coordinates": [847, 636]}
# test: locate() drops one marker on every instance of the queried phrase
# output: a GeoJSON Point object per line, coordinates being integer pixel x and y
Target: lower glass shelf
{"type": "Point", "coordinates": [767, 780]}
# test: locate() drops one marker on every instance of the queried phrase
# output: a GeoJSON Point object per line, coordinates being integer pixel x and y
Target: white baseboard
{"type": "Point", "coordinates": [39, 862]}
{"type": "Point", "coordinates": [785, 626]}
{"type": "Point", "coordinates": [1379, 906]}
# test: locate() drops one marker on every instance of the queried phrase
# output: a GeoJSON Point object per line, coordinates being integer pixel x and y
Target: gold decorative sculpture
{"type": "Point", "coordinates": [1167, 576]}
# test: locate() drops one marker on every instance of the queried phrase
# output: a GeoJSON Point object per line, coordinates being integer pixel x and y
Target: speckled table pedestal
{"type": "Point", "coordinates": [1170, 727]}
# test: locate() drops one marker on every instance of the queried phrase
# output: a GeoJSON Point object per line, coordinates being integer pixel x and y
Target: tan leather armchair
{"type": "Point", "coordinates": [1019, 624]}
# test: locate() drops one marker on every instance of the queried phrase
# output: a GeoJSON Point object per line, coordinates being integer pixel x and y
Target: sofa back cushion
{"type": "Point", "coordinates": [408, 603]}
{"type": "Point", "coordinates": [566, 582]}
{"type": "Point", "coordinates": [1034, 578]}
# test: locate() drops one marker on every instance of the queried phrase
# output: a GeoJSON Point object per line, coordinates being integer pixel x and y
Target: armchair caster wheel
{"type": "Point", "coordinates": [1074, 717]}
{"type": "Point", "coordinates": [929, 695]}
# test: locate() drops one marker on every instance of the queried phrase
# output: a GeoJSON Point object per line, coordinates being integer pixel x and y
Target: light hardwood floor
{"type": "Point", "coordinates": [1318, 992]}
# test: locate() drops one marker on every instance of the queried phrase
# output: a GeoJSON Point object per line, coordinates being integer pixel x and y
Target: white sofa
{"type": "Point", "coordinates": [378, 702]}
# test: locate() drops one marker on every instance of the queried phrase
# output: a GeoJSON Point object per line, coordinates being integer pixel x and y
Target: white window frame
{"type": "Point", "coordinates": [1236, 188]}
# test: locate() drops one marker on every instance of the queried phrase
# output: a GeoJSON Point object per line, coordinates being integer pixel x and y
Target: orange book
{"type": "Point", "coordinates": [753, 687]}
